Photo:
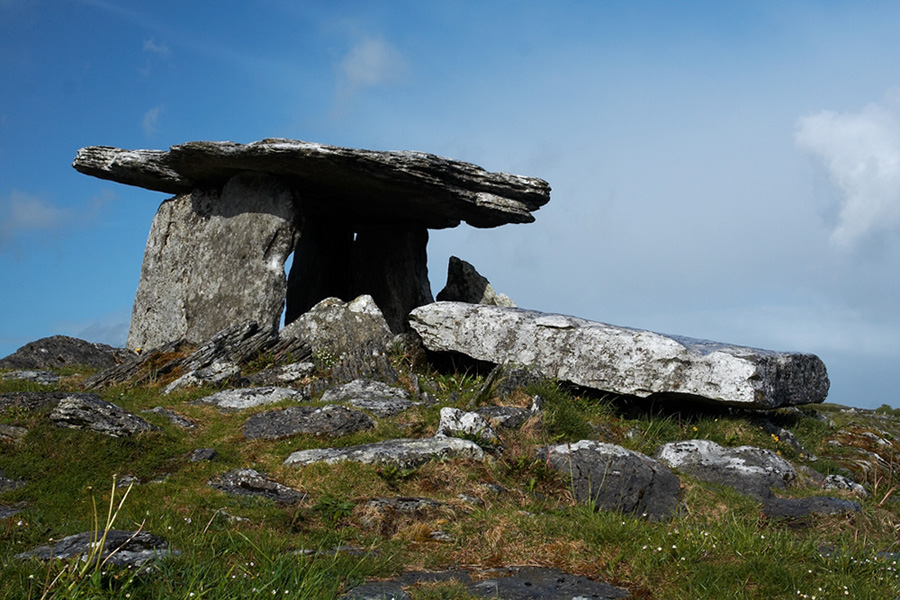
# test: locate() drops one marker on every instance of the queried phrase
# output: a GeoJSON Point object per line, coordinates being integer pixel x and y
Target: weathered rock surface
{"type": "Point", "coordinates": [30, 401]}
{"type": "Point", "coordinates": [213, 259]}
{"type": "Point", "coordinates": [622, 360]}
{"type": "Point", "coordinates": [7, 484]}
{"type": "Point", "coordinates": [220, 372]}
{"type": "Point", "coordinates": [306, 420]}
{"type": "Point", "coordinates": [39, 377]}
{"type": "Point", "coordinates": [173, 417]}
{"type": "Point", "coordinates": [244, 398]}
{"type": "Point", "coordinates": [122, 548]}
{"type": "Point", "coordinates": [750, 470]}
{"type": "Point", "coordinates": [795, 508]}
{"type": "Point", "coordinates": [63, 351]}
{"type": "Point", "coordinates": [839, 482]}
{"type": "Point", "coordinates": [507, 417]}
{"type": "Point", "coordinates": [375, 396]}
{"type": "Point", "coordinates": [402, 453]}
{"type": "Point", "coordinates": [468, 425]}
{"type": "Point", "coordinates": [465, 284]}
{"type": "Point", "coordinates": [615, 478]}
{"type": "Point", "coordinates": [283, 374]}
{"type": "Point", "coordinates": [373, 187]}
{"type": "Point", "coordinates": [88, 411]}
{"type": "Point", "coordinates": [248, 482]}
{"type": "Point", "coordinates": [11, 433]}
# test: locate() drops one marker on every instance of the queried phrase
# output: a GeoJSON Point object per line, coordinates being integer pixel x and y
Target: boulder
{"type": "Point", "coordinates": [329, 421]}
{"type": "Point", "coordinates": [122, 548]}
{"type": "Point", "coordinates": [465, 284]}
{"type": "Point", "coordinates": [30, 401]}
{"type": "Point", "coordinates": [89, 412]}
{"type": "Point", "coordinates": [621, 360]}
{"type": "Point", "coordinates": [381, 399]}
{"type": "Point", "coordinates": [467, 425]}
{"type": "Point", "coordinates": [63, 351]}
{"type": "Point", "coordinates": [401, 453]}
{"type": "Point", "coordinates": [614, 478]}
{"type": "Point", "coordinates": [215, 257]}
{"type": "Point", "coordinates": [244, 398]}
{"type": "Point", "coordinates": [248, 482]}
{"type": "Point", "coordinates": [749, 470]}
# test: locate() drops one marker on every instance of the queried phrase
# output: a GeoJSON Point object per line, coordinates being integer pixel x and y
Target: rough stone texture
{"type": "Point", "coordinates": [839, 482]}
{"type": "Point", "coordinates": [244, 398]}
{"type": "Point", "coordinates": [214, 259]}
{"type": "Point", "coordinates": [7, 484]}
{"type": "Point", "coordinates": [749, 470]}
{"type": "Point", "coordinates": [30, 401]}
{"type": "Point", "coordinates": [615, 478]}
{"type": "Point", "coordinates": [465, 284]}
{"type": "Point", "coordinates": [247, 482]}
{"type": "Point", "coordinates": [203, 454]}
{"type": "Point", "coordinates": [402, 453]}
{"type": "Point", "coordinates": [375, 396]}
{"type": "Point", "coordinates": [306, 420]}
{"type": "Point", "coordinates": [39, 377]}
{"type": "Point", "coordinates": [283, 374]}
{"type": "Point", "coordinates": [507, 417]}
{"type": "Point", "coordinates": [794, 508]}
{"type": "Point", "coordinates": [621, 360]}
{"type": "Point", "coordinates": [89, 412]}
{"type": "Point", "coordinates": [173, 417]}
{"type": "Point", "coordinates": [468, 425]}
{"type": "Point", "coordinates": [122, 548]}
{"type": "Point", "coordinates": [11, 433]}
{"type": "Point", "coordinates": [370, 186]}
{"type": "Point", "coordinates": [63, 351]}
{"type": "Point", "coordinates": [219, 372]}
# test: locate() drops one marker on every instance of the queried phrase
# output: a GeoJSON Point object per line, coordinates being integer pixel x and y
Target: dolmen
{"type": "Point", "coordinates": [356, 222]}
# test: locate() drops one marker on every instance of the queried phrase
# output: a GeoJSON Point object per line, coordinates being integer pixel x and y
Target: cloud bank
{"type": "Point", "coordinates": [861, 154]}
{"type": "Point", "coordinates": [370, 63]}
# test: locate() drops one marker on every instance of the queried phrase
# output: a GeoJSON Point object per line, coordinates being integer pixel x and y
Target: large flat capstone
{"type": "Point", "coordinates": [622, 360]}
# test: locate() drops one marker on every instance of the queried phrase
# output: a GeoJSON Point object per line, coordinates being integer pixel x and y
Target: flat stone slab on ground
{"type": "Point", "coordinates": [306, 420]}
{"type": "Point", "coordinates": [244, 398]}
{"type": "Point", "coordinates": [91, 413]}
{"type": "Point", "coordinates": [249, 482]}
{"type": "Point", "coordinates": [402, 453]}
{"type": "Point", "coordinates": [622, 360]}
{"type": "Point", "coordinates": [795, 508]}
{"type": "Point", "coordinates": [126, 547]}
{"type": "Point", "coordinates": [375, 396]}
{"type": "Point", "coordinates": [40, 377]}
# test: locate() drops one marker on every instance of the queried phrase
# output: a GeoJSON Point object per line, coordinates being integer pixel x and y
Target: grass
{"type": "Point", "coordinates": [510, 509]}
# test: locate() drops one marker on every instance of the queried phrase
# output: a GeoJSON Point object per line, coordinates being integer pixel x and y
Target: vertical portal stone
{"type": "Point", "coordinates": [213, 259]}
{"type": "Point", "coordinates": [321, 267]}
{"type": "Point", "coordinates": [391, 265]}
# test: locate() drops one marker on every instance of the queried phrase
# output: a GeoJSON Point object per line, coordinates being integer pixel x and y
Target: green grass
{"type": "Point", "coordinates": [243, 547]}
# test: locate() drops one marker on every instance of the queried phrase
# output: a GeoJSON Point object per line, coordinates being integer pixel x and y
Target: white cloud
{"type": "Point", "coordinates": [861, 153]}
{"type": "Point", "coordinates": [372, 62]}
{"type": "Point", "coordinates": [161, 49]}
{"type": "Point", "coordinates": [150, 123]}
{"type": "Point", "coordinates": [24, 213]}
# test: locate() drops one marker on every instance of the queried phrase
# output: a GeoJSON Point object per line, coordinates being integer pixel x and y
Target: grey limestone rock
{"type": "Point", "coordinates": [248, 482]}
{"type": "Point", "coordinates": [89, 412]}
{"type": "Point", "coordinates": [375, 396]}
{"type": "Point", "coordinates": [750, 470]}
{"type": "Point", "coordinates": [283, 374]}
{"type": "Point", "coordinates": [372, 186]}
{"type": "Point", "coordinates": [402, 453]}
{"type": "Point", "coordinates": [839, 482]}
{"type": "Point", "coordinates": [615, 478]}
{"type": "Point", "coordinates": [39, 377]}
{"type": "Point", "coordinates": [7, 484]}
{"type": "Point", "coordinates": [215, 258]}
{"type": "Point", "coordinates": [795, 508]}
{"type": "Point", "coordinates": [244, 398]}
{"type": "Point", "coordinates": [122, 548]}
{"type": "Point", "coordinates": [219, 372]}
{"type": "Point", "coordinates": [63, 351]}
{"type": "Point", "coordinates": [11, 433]}
{"type": "Point", "coordinates": [306, 420]}
{"type": "Point", "coordinates": [465, 284]}
{"type": "Point", "coordinates": [621, 360]}
{"type": "Point", "coordinates": [468, 425]}
{"type": "Point", "coordinates": [203, 454]}
{"type": "Point", "coordinates": [173, 417]}
{"type": "Point", "coordinates": [507, 417]}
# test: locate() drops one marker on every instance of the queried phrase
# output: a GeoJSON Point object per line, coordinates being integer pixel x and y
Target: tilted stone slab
{"type": "Point", "coordinates": [370, 186]}
{"type": "Point", "coordinates": [90, 412]}
{"type": "Point", "coordinates": [402, 453]}
{"type": "Point", "coordinates": [306, 420]}
{"type": "Point", "coordinates": [622, 360]}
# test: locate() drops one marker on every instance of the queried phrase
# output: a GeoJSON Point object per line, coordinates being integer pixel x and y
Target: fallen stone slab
{"type": "Point", "coordinates": [622, 360]}
{"type": "Point", "coordinates": [401, 453]}
{"type": "Point", "coordinates": [615, 478]}
{"type": "Point", "coordinates": [39, 377]}
{"type": "Point", "coordinates": [30, 401]}
{"type": "Point", "coordinates": [244, 398]}
{"type": "Point", "coordinates": [796, 508]}
{"type": "Point", "coordinates": [371, 186]}
{"type": "Point", "coordinates": [331, 421]}
{"type": "Point", "coordinates": [91, 413]}
{"type": "Point", "coordinates": [122, 548]}
{"type": "Point", "coordinates": [249, 482]}
{"type": "Point", "coordinates": [63, 351]}
{"type": "Point", "coordinates": [375, 396]}
{"type": "Point", "coordinates": [749, 470]}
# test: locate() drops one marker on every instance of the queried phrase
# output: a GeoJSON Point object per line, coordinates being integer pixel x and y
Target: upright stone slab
{"type": "Point", "coordinates": [621, 360]}
{"type": "Point", "coordinates": [214, 259]}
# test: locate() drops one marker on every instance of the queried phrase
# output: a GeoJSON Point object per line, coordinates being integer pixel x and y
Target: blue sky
{"type": "Point", "coordinates": [721, 170]}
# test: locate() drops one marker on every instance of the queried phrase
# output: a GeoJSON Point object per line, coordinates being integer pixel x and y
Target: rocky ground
{"type": "Point", "coordinates": [358, 465]}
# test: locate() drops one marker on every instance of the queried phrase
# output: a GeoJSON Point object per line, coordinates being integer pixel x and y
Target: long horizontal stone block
{"type": "Point", "coordinates": [622, 360]}
{"type": "Point", "coordinates": [402, 453]}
